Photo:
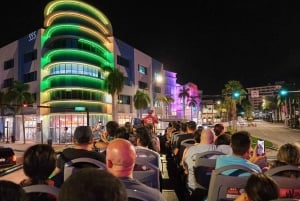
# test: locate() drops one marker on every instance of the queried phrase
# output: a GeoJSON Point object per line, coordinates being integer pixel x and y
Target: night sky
{"type": "Point", "coordinates": [206, 42]}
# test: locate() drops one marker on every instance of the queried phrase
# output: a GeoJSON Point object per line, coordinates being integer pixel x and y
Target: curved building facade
{"type": "Point", "coordinates": [76, 48]}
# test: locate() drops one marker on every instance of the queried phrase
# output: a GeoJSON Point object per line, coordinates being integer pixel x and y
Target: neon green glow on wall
{"type": "Point", "coordinates": [74, 54]}
{"type": "Point", "coordinates": [71, 5]}
{"type": "Point", "coordinates": [65, 29]}
{"type": "Point", "coordinates": [70, 80]}
{"type": "Point", "coordinates": [96, 46]}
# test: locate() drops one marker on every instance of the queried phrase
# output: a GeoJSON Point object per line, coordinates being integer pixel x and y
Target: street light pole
{"type": "Point", "coordinates": [7, 141]}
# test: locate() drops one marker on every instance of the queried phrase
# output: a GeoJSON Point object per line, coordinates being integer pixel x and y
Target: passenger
{"type": "Point", "coordinates": [38, 163]}
{"type": "Point", "coordinates": [206, 144]}
{"type": "Point", "coordinates": [83, 145]}
{"type": "Point", "coordinates": [259, 187]}
{"type": "Point", "coordinates": [218, 130]}
{"type": "Point", "coordinates": [223, 143]}
{"type": "Point", "coordinates": [10, 191]}
{"type": "Point", "coordinates": [191, 129]}
{"type": "Point", "coordinates": [120, 161]}
{"type": "Point", "coordinates": [121, 132]}
{"type": "Point", "coordinates": [197, 138]}
{"type": "Point", "coordinates": [241, 154]}
{"type": "Point", "coordinates": [154, 138]}
{"type": "Point", "coordinates": [151, 119]}
{"type": "Point", "coordinates": [130, 131]}
{"type": "Point", "coordinates": [143, 141]}
{"type": "Point", "coordinates": [91, 184]}
{"type": "Point", "coordinates": [288, 154]}
{"type": "Point", "coordinates": [108, 135]}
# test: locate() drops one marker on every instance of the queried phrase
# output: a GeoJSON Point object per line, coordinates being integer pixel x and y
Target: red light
{"type": "Point", "coordinates": [25, 105]}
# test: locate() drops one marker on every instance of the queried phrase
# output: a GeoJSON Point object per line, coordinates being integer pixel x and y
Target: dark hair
{"type": "Point", "coordinates": [223, 139]}
{"type": "Point", "coordinates": [261, 187]}
{"type": "Point", "coordinates": [111, 128]}
{"type": "Point", "coordinates": [240, 142]}
{"type": "Point", "coordinates": [39, 162]}
{"type": "Point", "coordinates": [197, 135]}
{"type": "Point", "coordinates": [183, 126]}
{"type": "Point", "coordinates": [144, 135]}
{"type": "Point", "coordinates": [218, 128]}
{"type": "Point", "coordinates": [122, 132]}
{"type": "Point", "coordinates": [10, 191]}
{"type": "Point", "coordinates": [191, 125]}
{"type": "Point", "coordinates": [92, 184]}
{"type": "Point", "coordinates": [83, 134]}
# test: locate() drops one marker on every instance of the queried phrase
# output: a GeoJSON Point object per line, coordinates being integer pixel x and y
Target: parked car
{"type": "Point", "coordinates": [7, 157]}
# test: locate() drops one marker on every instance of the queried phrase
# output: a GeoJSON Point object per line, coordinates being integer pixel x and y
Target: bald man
{"type": "Point", "coordinates": [206, 144]}
{"type": "Point", "coordinates": [120, 161]}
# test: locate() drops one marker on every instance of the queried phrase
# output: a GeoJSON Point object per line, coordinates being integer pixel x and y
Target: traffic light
{"type": "Point", "coordinates": [283, 92]}
{"type": "Point", "coordinates": [236, 94]}
{"type": "Point", "coordinates": [25, 105]}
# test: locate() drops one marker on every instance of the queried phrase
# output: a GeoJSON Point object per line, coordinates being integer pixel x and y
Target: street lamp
{"type": "Point", "coordinates": [7, 141]}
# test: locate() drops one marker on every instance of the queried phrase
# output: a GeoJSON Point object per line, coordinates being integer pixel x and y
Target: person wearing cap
{"type": "Point", "coordinates": [83, 143]}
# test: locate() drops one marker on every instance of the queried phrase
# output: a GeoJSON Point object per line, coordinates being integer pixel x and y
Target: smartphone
{"type": "Point", "coordinates": [260, 147]}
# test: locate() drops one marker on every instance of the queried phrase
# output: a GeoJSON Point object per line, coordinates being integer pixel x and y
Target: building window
{"type": "Point", "coordinates": [157, 89]}
{"type": "Point", "coordinates": [122, 61]}
{"type": "Point", "coordinates": [30, 56]}
{"type": "Point", "coordinates": [29, 77]}
{"type": "Point", "coordinates": [142, 69]}
{"type": "Point", "coordinates": [123, 99]}
{"type": "Point", "coordinates": [9, 64]}
{"type": "Point", "coordinates": [143, 85]}
{"type": "Point", "coordinates": [8, 82]}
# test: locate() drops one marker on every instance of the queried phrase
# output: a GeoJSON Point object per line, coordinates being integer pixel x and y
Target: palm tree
{"type": "Point", "coordinates": [18, 95]}
{"type": "Point", "coordinates": [184, 94]}
{"type": "Point", "coordinates": [141, 101]}
{"type": "Point", "coordinates": [230, 100]}
{"type": "Point", "coordinates": [169, 99]}
{"type": "Point", "coordinates": [164, 101]}
{"type": "Point", "coordinates": [114, 83]}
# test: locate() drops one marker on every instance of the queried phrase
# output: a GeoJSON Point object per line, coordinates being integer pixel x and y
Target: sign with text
{"type": "Point", "coordinates": [254, 93]}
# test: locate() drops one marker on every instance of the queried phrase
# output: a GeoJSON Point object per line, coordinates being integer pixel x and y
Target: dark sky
{"type": "Point", "coordinates": [208, 42]}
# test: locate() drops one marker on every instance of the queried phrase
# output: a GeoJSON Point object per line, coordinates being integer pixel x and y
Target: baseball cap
{"type": "Point", "coordinates": [83, 134]}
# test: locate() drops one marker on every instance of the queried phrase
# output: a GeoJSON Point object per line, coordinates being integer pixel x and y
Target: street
{"type": "Point", "coordinates": [277, 133]}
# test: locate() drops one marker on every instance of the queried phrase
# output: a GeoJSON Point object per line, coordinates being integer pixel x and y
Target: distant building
{"type": "Point", "coordinates": [65, 66]}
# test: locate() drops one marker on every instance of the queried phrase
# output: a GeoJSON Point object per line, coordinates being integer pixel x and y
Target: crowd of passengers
{"type": "Point", "coordinates": [236, 148]}
{"type": "Point", "coordinates": [117, 149]}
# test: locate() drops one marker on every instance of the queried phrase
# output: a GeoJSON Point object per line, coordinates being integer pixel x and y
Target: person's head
{"type": "Point", "coordinates": [223, 139]}
{"type": "Point", "coordinates": [39, 162]}
{"type": "Point", "coordinates": [260, 187]}
{"type": "Point", "coordinates": [128, 127]}
{"type": "Point", "coordinates": [120, 157]}
{"type": "Point", "coordinates": [143, 137]}
{"type": "Point", "coordinates": [197, 135]}
{"type": "Point", "coordinates": [218, 129]}
{"type": "Point", "coordinates": [92, 184]}
{"type": "Point", "coordinates": [83, 135]}
{"type": "Point", "coordinates": [191, 126]}
{"type": "Point", "coordinates": [207, 136]}
{"type": "Point", "coordinates": [10, 191]}
{"type": "Point", "coordinates": [121, 132]}
{"type": "Point", "coordinates": [183, 127]}
{"type": "Point", "coordinates": [289, 153]}
{"type": "Point", "coordinates": [111, 128]}
{"type": "Point", "coordinates": [240, 143]}
{"type": "Point", "coordinates": [150, 111]}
